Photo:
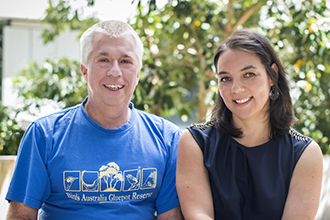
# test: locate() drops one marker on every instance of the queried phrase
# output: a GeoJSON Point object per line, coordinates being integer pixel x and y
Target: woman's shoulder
{"type": "Point", "coordinates": [298, 136]}
{"type": "Point", "coordinates": [204, 125]}
{"type": "Point", "coordinates": [205, 129]}
{"type": "Point", "coordinates": [295, 142]}
{"type": "Point", "coordinates": [206, 133]}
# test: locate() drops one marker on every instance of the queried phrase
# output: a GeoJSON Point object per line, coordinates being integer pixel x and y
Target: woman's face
{"type": "Point", "coordinates": [243, 85]}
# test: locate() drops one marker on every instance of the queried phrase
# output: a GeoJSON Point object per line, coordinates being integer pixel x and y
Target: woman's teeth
{"type": "Point", "coordinates": [242, 100]}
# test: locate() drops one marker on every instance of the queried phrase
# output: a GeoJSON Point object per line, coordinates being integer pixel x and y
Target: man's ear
{"type": "Point", "coordinates": [138, 78]}
{"type": "Point", "coordinates": [83, 70]}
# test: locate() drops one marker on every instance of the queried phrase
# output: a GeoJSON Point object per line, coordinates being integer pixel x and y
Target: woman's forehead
{"type": "Point", "coordinates": [237, 59]}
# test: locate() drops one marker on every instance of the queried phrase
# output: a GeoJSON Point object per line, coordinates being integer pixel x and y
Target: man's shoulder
{"type": "Point", "coordinates": [159, 125]}
{"type": "Point", "coordinates": [56, 117]}
{"type": "Point", "coordinates": [157, 120]}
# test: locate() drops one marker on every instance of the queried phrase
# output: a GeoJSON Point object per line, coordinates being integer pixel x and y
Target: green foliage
{"type": "Point", "coordinates": [179, 43]}
{"type": "Point", "coordinates": [302, 36]}
{"type": "Point", "coordinates": [186, 34]}
{"type": "Point", "coordinates": [10, 131]}
{"type": "Point", "coordinates": [177, 76]}
{"type": "Point", "coordinates": [60, 16]}
{"type": "Point", "coordinates": [180, 39]}
{"type": "Point", "coordinates": [58, 80]}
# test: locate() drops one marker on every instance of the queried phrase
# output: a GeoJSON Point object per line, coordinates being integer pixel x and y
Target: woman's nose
{"type": "Point", "coordinates": [237, 87]}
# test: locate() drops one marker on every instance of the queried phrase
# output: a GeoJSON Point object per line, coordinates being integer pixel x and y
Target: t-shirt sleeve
{"type": "Point", "coordinates": [167, 198]}
{"type": "Point", "coordinates": [30, 182]}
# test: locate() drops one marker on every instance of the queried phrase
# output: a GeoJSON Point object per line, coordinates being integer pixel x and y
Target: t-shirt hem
{"type": "Point", "coordinates": [167, 207]}
{"type": "Point", "coordinates": [23, 199]}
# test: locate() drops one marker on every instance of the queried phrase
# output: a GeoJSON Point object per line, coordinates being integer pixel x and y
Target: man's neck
{"type": "Point", "coordinates": [109, 118]}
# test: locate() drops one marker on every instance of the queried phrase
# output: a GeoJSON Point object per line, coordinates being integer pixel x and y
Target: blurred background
{"type": "Point", "coordinates": [40, 74]}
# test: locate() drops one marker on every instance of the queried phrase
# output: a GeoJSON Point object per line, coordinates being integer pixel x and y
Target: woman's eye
{"type": "Point", "coordinates": [249, 74]}
{"type": "Point", "coordinates": [224, 79]}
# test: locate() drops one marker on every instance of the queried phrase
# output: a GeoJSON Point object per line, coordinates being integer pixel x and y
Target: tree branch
{"type": "Point", "coordinates": [228, 26]}
{"type": "Point", "coordinates": [246, 15]}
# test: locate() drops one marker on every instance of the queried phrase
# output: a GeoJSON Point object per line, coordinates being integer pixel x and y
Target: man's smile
{"type": "Point", "coordinates": [114, 87]}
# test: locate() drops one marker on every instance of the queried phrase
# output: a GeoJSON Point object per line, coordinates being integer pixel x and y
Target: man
{"type": "Point", "coordinates": [102, 159]}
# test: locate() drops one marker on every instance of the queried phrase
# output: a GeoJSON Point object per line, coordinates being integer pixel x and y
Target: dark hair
{"type": "Point", "coordinates": [281, 115]}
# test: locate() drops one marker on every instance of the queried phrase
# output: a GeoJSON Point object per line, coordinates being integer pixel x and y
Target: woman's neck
{"type": "Point", "coordinates": [255, 133]}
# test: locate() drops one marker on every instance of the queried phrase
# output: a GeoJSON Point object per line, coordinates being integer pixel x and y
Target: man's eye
{"type": "Point", "coordinates": [126, 61]}
{"type": "Point", "coordinates": [104, 60]}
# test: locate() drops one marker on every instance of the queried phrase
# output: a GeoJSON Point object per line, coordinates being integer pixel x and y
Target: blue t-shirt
{"type": "Point", "coordinates": [71, 167]}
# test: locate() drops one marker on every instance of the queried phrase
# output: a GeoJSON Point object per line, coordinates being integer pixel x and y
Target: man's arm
{"type": "Point", "coordinates": [173, 214]}
{"type": "Point", "coordinates": [19, 211]}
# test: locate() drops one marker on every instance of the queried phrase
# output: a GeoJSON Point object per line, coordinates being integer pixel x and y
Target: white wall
{"type": "Point", "coordinates": [6, 171]}
{"type": "Point", "coordinates": [22, 44]}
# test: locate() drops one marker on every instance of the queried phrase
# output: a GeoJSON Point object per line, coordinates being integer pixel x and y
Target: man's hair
{"type": "Point", "coordinates": [281, 116]}
{"type": "Point", "coordinates": [112, 28]}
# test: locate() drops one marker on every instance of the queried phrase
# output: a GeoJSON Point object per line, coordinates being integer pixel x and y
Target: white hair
{"type": "Point", "coordinates": [112, 28]}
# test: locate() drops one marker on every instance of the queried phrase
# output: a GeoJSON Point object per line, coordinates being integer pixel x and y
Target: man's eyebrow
{"type": "Point", "coordinates": [106, 54]}
{"type": "Point", "coordinates": [103, 53]}
{"type": "Point", "coordinates": [127, 55]}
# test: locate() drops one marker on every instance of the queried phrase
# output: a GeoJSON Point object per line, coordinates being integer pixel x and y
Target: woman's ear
{"type": "Point", "coordinates": [274, 67]}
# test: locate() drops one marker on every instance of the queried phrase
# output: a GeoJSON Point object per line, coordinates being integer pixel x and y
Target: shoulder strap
{"type": "Point", "coordinates": [204, 125]}
{"type": "Point", "coordinates": [298, 136]}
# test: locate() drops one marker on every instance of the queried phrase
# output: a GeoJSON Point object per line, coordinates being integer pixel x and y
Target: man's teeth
{"type": "Point", "coordinates": [242, 100]}
{"type": "Point", "coordinates": [114, 87]}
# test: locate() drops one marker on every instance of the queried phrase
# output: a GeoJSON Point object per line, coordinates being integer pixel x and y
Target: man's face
{"type": "Point", "coordinates": [112, 72]}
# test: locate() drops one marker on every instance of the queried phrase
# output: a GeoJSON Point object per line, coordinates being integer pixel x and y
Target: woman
{"type": "Point", "coordinates": [247, 162]}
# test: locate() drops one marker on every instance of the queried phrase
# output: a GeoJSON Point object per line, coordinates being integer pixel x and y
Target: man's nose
{"type": "Point", "coordinates": [114, 69]}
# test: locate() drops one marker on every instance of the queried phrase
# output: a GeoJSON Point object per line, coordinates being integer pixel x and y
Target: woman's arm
{"type": "Point", "coordinates": [305, 187]}
{"type": "Point", "coordinates": [192, 180]}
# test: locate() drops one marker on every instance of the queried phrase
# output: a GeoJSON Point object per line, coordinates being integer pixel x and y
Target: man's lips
{"type": "Point", "coordinates": [114, 87]}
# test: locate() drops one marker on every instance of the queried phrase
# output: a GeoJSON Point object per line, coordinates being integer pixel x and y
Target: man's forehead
{"type": "Point", "coordinates": [124, 54]}
{"type": "Point", "coordinates": [98, 36]}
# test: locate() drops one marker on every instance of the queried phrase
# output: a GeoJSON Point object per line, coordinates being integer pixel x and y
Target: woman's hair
{"type": "Point", "coordinates": [281, 115]}
{"type": "Point", "coordinates": [112, 28]}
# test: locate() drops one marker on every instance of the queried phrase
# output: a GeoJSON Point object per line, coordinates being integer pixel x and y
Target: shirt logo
{"type": "Point", "coordinates": [109, 179]}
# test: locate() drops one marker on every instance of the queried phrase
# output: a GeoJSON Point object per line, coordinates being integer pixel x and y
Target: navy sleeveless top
{"type": "Point", "coordinates": [248, 183]}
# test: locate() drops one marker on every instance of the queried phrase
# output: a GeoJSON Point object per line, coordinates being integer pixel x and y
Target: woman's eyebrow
{"type": "Point", "coordinates": [243, 69]}
{"type": "Point", "coordinates": [222, 72]}
{"type": "Point", "coordinates": [248, 67]}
